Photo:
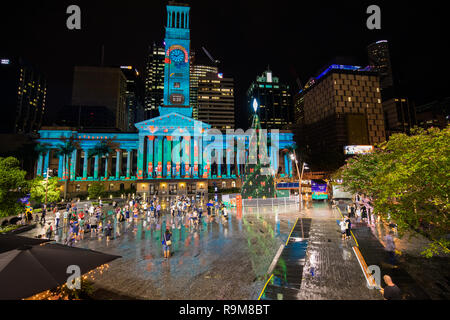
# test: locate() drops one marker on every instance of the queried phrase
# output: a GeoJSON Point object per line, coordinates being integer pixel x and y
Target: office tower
{"type": "Point", "coordinates": [154, 81]}
{"type": "Point", "coordinates": [216, 100]}
{"type": "Point", "coordinates": [380, 61]}
{"type": "Point", "coordinates": [102, 86]}
{"type": "Point", "coordinates": [23, 96]}
{"type": "Point", "coordinates": [342, 106]}
{"type": "Point", "coordinates": [198, 72]}
{"type": "Point", "coordinates": [434, 114]}
{"type": "Point", "coordinates": [134, 96]}
{"type": "Point", "coordinates": [275, 103]}
{"type": "Point", "coordinates": [399, 115]}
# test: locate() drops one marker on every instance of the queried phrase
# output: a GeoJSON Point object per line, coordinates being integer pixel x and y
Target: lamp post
{"type": "Point", "coordinates": [300, 178]}
{"type": "Point", "coordinates": [46, 185]}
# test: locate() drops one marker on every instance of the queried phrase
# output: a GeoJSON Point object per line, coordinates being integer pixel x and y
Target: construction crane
{"type": "Point", "coordinates": [216, 62]}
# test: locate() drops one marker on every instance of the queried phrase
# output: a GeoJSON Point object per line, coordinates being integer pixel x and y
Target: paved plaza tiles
{"type": "Point", "coordinates": [231, 260]}
{"type": "Point", "coordinates": [220, 260]}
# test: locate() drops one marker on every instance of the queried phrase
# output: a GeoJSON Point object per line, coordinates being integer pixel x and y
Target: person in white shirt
{"type": "Point", "coordinates": [65, 214]}
{"type": "Point", "coordinates": [343, 226]}
{"type": "Point", "coordinates": [57, 217]}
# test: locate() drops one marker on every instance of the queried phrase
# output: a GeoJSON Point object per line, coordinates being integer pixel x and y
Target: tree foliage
{"type": "Point", "coordinates": [96, 190]}
{"type": "Point", "coordinates": [38, 186]}
{"type": "Point", "coordinates": [409, 178]}
{"type": "Point", "coordinates": [13, 186]}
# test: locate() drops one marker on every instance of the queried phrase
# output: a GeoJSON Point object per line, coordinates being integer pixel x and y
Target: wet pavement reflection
{"type": "Point", "coordinates": [217, 259]}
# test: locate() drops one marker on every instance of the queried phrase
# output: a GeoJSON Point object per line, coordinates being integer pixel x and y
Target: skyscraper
{"type": "Point", "coordinates": [342, 106]}
{"type": "Point", "coordinates": [154, 81]}
{"type": "Point", "coordinates": [275, 104]}
{"type": "Point", "coordinates": [380, 61]}
{"type": "Point", "coordinates": [134, 96]}
{"type": "Point", "coordinates": [102, 86]}
{"type": "Point", "coordinates": [23, 92]}
{"type": "Point", "coordinates": [198, 72]}
{"type": "Point", "coordinates": [216, 100]}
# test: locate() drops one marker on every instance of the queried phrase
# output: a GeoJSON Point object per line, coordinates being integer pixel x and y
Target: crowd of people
{"type": "Point", "coordinates": [76, 220]}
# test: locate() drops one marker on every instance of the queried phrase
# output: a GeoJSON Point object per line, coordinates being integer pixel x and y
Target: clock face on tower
{"type": "Point", "coordinates": [177, 56]}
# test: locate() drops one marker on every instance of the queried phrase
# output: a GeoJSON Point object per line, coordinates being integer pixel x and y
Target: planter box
{"type": "Point", "coordinates": [22, 229]}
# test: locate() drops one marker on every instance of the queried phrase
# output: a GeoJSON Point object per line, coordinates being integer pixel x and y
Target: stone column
{"type": "Point", "coordinates": [128, 164]}
{"type": "Point", "coordinates": [196, 156]}
{"type": "Point", "coordinates": [46, 160]}
{"type": "Point", "coordinates": [168, 156]}
{"type": "Point", "coordinates": [39, 165]}
{"type": "Point", "coordinates": [150, 156]}
{"type": "Point", "coordinates": [85, 164]}
{"type": "Point", "coordinates": [96, 168]}
{"type": "Point", "coordinates": [159, 156]}
{"type": "Point", "coordinates": [186, 156]}
{"type": "Point", "coordinates": [60, 166]}
{"type": "Point", "coordinates": [228, 157]}
{"type": "Point", "coordinates": [73, 169]}
{"type": "Point", "coordinates": [106, 167]}
{"type": "Point", "coordinates": [118, 163]}
{"type": "Point", "coordinates": [140, 158]}
{"type": "Point", "coordinates": [177, 160]}
{"type": "Point", "coordinates": [286, 165]}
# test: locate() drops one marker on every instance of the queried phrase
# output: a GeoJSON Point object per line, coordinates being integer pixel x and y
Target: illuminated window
{"type": "Point", "coordinates": [349, 99]}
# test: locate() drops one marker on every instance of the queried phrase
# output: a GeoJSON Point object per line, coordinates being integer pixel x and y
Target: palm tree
{"type": "Point", "coordinates": [101, 149]}
{"type": "Point", "coordinates": [66, 151]}
{"type": "Point", "coordinates": [42, 148]}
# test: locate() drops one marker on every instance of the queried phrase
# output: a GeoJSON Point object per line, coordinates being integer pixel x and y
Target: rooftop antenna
{"type": "Point", "coordinates": [216, 62]}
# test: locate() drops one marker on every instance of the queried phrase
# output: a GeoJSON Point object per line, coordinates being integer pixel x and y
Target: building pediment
{"type": "Point", "coordinates": [172, 123]}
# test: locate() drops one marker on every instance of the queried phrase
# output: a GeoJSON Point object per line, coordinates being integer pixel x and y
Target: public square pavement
{"type": "Point", "coordinates": [317, 264]}
{"type": "Point", "coordinates": [231, 260]}
{"type": "Point", "coordinates": [216, 260]}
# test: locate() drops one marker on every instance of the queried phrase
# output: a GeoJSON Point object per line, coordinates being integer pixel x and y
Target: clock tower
{"type": "Point", "coordinates": [176, 68]}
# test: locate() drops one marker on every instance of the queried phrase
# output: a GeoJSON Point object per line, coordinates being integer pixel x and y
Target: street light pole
{"type": "Point", "coordinates": [46, 186]}
{"type": "Point", "coordinates": [294, 157]}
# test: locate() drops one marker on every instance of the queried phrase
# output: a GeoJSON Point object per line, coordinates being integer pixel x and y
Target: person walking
{"type": "Point", "coordinates": [167, 242]}
{"type": "Point", "coordinates": [343, 226]}
{"type": "Point", "coordinates": [44, 212]}
{"type": "Point", "coordinates": [93, 224]}
{"type": "Point", "coordinates": [108, 231]}
{"type": "Point", "coordinates": [390, 291]}
{"type": "Point", "coordinates": [358, 214]}
{"type": "Point", "coordinates": [57, 218]}
{"type": "Point", "coordinates": [390, 248]}
{"type": "Point", "coordinates": [349, 228]}
{"type": "Point", "coordinates": [364, 214]}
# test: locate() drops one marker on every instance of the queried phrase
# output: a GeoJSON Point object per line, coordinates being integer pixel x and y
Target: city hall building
{"type": "Point", "coordinates": [171, 154]}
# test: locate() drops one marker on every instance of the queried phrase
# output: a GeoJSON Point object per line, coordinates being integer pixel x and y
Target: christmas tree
{"type": "Point", "coordinates": [258, 178]}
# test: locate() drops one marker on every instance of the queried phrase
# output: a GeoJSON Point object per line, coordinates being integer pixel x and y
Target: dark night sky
{"type": "Point", "coordinates": [295, 37]}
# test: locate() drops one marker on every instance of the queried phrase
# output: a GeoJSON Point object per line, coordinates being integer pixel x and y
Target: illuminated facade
{"type": "Point", "coordinates": [170, 154]}
{"type": "Point", "coordinates": [342, 106]}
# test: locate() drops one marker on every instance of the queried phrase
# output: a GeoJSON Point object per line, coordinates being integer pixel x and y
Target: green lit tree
{"type": "Point", "coordinates": [39, 186]}
{"type": "Point", "coordinates": [96, 190]}
{"type": "Point", "coordinates": [409, 179]}
{"type": "Point", "coordinates": [13, 186]}
{"type": "Point", "coordinates": [258, 178]}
